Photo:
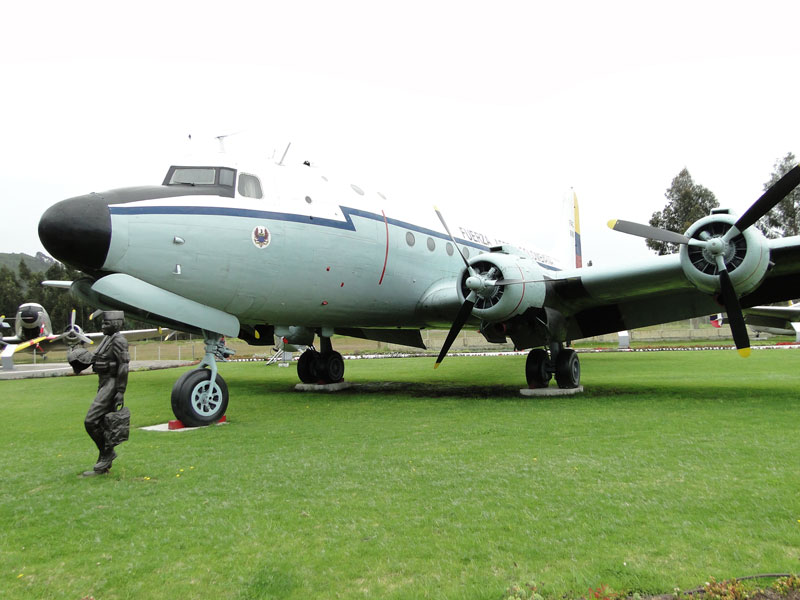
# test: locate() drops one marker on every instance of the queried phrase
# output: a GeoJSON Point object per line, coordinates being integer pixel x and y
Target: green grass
{"type": "Point", "coordinates": [672, 467]}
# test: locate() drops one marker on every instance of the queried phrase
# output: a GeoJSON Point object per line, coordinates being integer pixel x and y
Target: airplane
{"type": "Point", "coordinates": [31, 325]}
{"type": "Point", "coordinates": [229, 248]}
{"type": "Point", "coordinates": [34, 331]}
{"type": "Point", "coordinates": [775, 320]}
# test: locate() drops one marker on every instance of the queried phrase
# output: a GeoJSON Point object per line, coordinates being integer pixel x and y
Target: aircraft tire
{"type": "Point", "coordinates": [568, 369]}
{"type": "Point", "coordinates": [307, 366]}
{"type": "Point", "coordinates": [186, 398]}
{"type": "Point", "coordinates": [536, 372]}
{"type": "Point", "coordinates": [331, 367]}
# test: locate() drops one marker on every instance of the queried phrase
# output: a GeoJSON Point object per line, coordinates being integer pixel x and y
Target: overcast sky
{"type": "Point", "coordinates": [492, 109]}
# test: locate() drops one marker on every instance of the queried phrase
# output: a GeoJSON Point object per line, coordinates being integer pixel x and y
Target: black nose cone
{"type": "Point", "coordinates": [29, 314]}
{"type": "Point", "coordinates": [77, 231]}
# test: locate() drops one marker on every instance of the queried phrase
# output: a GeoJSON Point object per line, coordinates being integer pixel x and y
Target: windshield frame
{"type": "Point", "coordinates": [224, 189]}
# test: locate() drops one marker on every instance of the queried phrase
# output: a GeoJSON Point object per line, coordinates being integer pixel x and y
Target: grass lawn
{"type": "Point", "coordinates": [672, 468]}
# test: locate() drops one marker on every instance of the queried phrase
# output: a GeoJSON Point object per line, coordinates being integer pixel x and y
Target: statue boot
{"type": "Point", "coordinates": [107, 456]}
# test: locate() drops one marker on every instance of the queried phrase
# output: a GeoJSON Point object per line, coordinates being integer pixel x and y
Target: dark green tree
{"type": "Point", "coordinates": [27, 279]}
{"type": "Point", "coordinates": [687, 201]}
{"type": "Point", "coordinates": [784, 219]}
{"type": "Point", "coordinates": [10, 293]}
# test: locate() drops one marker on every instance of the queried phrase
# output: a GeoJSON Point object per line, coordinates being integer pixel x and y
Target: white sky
{"type": "Point", "coordinates": [492, 109]}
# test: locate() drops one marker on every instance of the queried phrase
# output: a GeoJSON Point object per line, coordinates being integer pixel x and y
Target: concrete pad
{"type": "Point", "coordinates": [327, 387]}
{"type": "Point", "coordinates": [165, 427]}
{"type": "Point", "coordinates": [551, 391]}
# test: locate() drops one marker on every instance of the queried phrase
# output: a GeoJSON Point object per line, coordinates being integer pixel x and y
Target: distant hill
{"type": "Point", "coordinates": [40, 262]}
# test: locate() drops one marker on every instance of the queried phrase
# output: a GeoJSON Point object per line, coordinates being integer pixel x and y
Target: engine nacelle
{"type": "Point", "coordinates": [746, 255]}
{"type": "Point", "coordinates": [73, 335]}
{"type": "Point", "coordinates": [498, 303]}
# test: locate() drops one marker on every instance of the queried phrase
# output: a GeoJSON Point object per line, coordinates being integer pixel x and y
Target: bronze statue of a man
{"type": "Point", "coordinates": [110, 362]}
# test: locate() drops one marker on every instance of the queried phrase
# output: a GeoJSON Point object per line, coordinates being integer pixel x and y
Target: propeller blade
{"type": "Point", "coordinates": [735, 317]}
{"type": "Point", "coordinates": [646, 231]}
{"type": "Point", "coordinates": [463, 314]}
{"type": "Point", "coordinates": [777, 192]}
{"type": "Point", "coordinates": [452, 239]}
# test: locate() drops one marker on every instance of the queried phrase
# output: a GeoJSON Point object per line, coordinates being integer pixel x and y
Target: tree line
{"type": "Point", "coordinates": [688, 201]}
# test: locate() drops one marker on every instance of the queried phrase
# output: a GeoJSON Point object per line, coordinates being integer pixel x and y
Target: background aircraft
{"type": "Point", "coordinates": [234, 249]}
{"type": "Point", "coordinates": [775, 320]}
{"type": "Point", "coordinates": [34, 330]}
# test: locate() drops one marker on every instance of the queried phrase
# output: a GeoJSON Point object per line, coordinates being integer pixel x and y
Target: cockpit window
{"type": "Point", "coordinates": [202, 176]}
{"type": "Point", "coordinates": [227, 177]}
{"type": "Point", "coordinates": [249, 186]}
{"type": "Point", "coordinates": [193, 176]}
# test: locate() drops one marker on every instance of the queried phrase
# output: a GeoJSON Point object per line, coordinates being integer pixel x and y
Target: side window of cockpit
{"type": "Point", "coordinates": [249, 186]}
{"type": "Point", "coordinates": [227, 177]}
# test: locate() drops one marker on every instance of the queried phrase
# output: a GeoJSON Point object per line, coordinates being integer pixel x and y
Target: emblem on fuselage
{"type": "Point", "coordinates": [261, 237]}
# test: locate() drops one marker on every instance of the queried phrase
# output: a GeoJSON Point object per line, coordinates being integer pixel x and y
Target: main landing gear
{"type": "Point", "coordinates": [559, 361]}
{"type": "Point", "coordinates": [195, 400]}
{"type": "Point", "coordinates": [325, 366]}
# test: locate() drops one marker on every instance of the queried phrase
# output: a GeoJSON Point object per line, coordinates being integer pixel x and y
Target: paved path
{"type": "Point", "coordinates": [60, 369]}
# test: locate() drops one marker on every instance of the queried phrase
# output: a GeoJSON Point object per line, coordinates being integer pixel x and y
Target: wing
{"type": "Point", "coordinates": [787, 313]}
{"type": "Point", "coordinates": [595, 301]}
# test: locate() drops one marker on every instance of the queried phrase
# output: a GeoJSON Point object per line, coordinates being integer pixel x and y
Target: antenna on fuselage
{"type": "Point", "coordinates": [221, 140]}
{"type": "Point", "coordinates": [285, 152]}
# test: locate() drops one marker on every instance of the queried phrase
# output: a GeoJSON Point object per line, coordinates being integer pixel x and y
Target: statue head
{"type": "Point", "coordinates": [112, 321]}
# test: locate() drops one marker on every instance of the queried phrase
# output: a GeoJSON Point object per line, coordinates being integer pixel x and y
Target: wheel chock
{"type": "Point", "coordinates": [177, 424]}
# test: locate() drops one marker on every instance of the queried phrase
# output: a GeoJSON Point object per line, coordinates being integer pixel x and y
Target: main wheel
{"type": "Point", "coordinates": [536, 372]}
{"type": "Point", "coordinates": [568, 369]}
{"type": "Point", "coordinates": [331, 367]}
{"type": "Point", "coordinates": [307, 366]}
{"type": "Point", "coordinates": [190, 402]}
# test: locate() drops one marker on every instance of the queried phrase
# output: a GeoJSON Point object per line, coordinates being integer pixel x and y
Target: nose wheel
{"type": "Point", "coordinates": [196, 401]}
{"type": "Point", "coordinates": [200, 396]}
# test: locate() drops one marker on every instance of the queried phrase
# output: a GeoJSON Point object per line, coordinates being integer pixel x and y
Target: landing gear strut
{"type": "Point", "coordinates": [195, 400]}
{"type": "Point", "coordinates": [561, 362]}
{"type": "Point", "coordinates": [325, 366]}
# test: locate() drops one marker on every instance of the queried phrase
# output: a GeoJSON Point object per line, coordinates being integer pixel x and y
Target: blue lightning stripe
{"type": "Point", "coordinates": [347, 224]}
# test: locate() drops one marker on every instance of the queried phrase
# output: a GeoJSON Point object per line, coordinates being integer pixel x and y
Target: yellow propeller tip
{"type": "Point", "coordinates": [744, 352]}
{"type": "Point", "coordinates": [436, 365]}
{"type": "Point", "coordinates": [612, 223]}
{"type": "Point", "coordinates": [258, 335]}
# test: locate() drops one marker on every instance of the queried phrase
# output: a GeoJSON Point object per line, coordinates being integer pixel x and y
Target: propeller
{"type": "Point", "coordinates": [478, 284]}
{"type": "Point", "coordinates": [73, 334]}
{"type": "Point", "coordinates": [475, 283]}
{"type": "Point", "coordinates": [718, 246]}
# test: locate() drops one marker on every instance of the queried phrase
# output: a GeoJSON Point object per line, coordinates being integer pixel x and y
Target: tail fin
{"type": "Point", "coordinates": [573, 223]}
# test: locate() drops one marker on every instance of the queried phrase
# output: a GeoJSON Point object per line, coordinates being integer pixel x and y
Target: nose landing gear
{"type": "Point", "coordinates": [196, 401]}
